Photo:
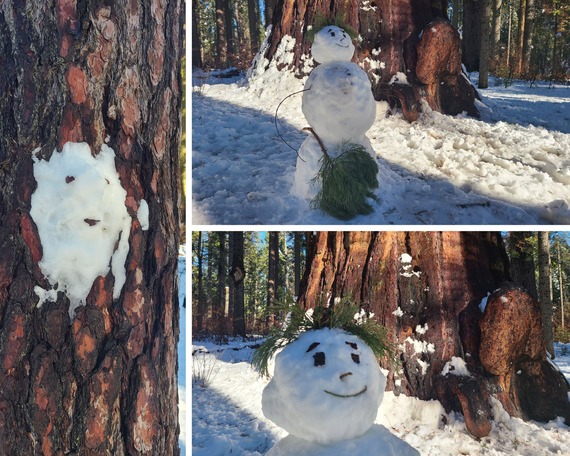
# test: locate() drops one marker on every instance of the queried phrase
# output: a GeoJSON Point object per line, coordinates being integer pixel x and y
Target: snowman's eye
{"type": "Point", "coordinates": [319, 358]}
{"type": "Point", "coordinates": [312, 346]}
{"type": "Point", "coordinates": [355, 358]}
{"type": "Point", "coordinates": [352, 345]}
{"type": "Point", "coordinates": [332, 33]}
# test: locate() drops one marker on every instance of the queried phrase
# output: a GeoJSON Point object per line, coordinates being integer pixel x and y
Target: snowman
{"type": "Point", "coordinates": [338, 105]}
{"type": "Point", "coordinates": [325, 392]}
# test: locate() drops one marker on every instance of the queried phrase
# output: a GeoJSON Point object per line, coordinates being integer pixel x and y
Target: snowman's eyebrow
{"type": "Point", "coordinates": [353, 345]}
{"type": "Point", "coordinates": [312, 346]}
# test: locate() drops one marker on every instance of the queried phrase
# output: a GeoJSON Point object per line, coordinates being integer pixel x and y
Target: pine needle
{"type": "Point", "coordinates": [347, 181]}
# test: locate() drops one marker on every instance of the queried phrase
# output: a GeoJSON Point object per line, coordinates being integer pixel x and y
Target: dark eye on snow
{"type": "Point", "coordinates": [312, 346]}
{"type": "Point", "coordinates": [355, 358]}
{"type": "Point", "coordinates": [319, 358]}
{"type": "Point", "coordinates": [352, 345]}
{"type": "Point", "coordinates": [332, 33]}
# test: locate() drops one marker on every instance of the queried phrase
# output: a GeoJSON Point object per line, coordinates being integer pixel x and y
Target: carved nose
{"type": "Point", "coordinates": [346, 374]}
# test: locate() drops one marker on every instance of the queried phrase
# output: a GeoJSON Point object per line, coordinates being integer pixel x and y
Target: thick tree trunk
{"type": "Point", "coordinates": [100, 379]}
{"type": "Point", "coordinates": [545, 289]}
{"type": "Point", "coordinates": [530, 15]}
{"type": "Point", "coordinates": [426, 288]}
{"type": "Point", "coordinates": [394, 37]}
{"type": "Point", "coordinates": [521, 34]}
{"type": "Point", "coordinates": [200, 286]}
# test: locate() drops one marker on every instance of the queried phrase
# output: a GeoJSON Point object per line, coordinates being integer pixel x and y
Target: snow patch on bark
{"type": "Point", "coordinates": [79, 209]}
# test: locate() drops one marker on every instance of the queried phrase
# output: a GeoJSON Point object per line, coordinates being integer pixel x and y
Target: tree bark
{"type": "Point", "coordinates": [221, 45]}
{"type": "Point", "coordinates": [389, 43]}
{"type": "Point", "coordinates": [200, 313]}
{"type": "Point", "coordinates": [221, 289]}
{"type": "Point", "coordinates": [530, 14]}
{"type": "Point", "coordinates": [426, 289]}
{"type": "Point", "coordinates": [485, 52]}
{"type": "Point", "coordinates": [102, 379]}
{"type": "Point", "coordinates": [471, 43]}
{"type": "Point", "coordinates": [254, 21]}
{"type": "Point", "coordinates": [496, 24]}
{"type": "Point", "coordinates": [272, 271]}
{"type": "Point", "coordinates": [229, 29]}
{"type": "Point", "coordinates": [545, 289]}
{"type": "Point", "coordinates": [521, 250]}
{"type": "Point", "coordinates": [521, 34]}
{"type": "Point", "coordinates": [196, 42]}
{"type": "Point", "coordinates": [297, 261]}
{"type": "Point", "coordinates": [237, 275]}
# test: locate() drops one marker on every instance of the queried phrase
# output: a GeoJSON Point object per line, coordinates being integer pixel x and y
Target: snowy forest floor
{"type": "Point", "coordinates": [510, 167]}
{"type": "Point", "coordinates": [227, 416]}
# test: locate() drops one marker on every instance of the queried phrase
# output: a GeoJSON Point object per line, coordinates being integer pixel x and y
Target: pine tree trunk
{"type": "Point", "coordinates": [389, 43]}
{"type": "Point", "coordinates": [471, 42]}
{"type": "Point", "coordinates": [522, 260]}
{"type": "Point", "coordinates": [221, 45]}
{"type": "Point", "coordinates": [196, 42]}
{"type": "Point", "coordinates": [426, 289]}
{"type": "Point", "coordinates": [237, 275]}
{"type": "Point", "coordinates": [521, 34]}
{"type": "Point", "coordinates": [200, 286]}
{"type": "Point", "coordinates": [221, 290]}
{"type": "Point", "coordinates": [102, 379]}
{"type": "Point", "coordinates": [530, 14]}
{"type": "Point", "coordinates": [297, 261]}
{"type": "Point", "coordinates": [485, 54]}
{"type": "Point", "coordinates": [273, 270]}
{"type": "Point", "coordinates": [254, 21]}
{"type": "Point", "coordinates": [229, 29]}
{"type": "Point", "coordinates": [545, 289]}
{"type": "Point", "coordinates": [496, 24]}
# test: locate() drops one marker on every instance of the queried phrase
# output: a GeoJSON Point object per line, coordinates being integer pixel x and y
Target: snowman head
{"type": "Point", "coordinates": [332, 44]}
{"type": "Point", "coordinates": [327, 387]}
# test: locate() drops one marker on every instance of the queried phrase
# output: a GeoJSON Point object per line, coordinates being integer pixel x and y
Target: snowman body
{"type": "Point", "coordinates": [337, 103]}
{"type": "Point", "coordinates": [325, 391]}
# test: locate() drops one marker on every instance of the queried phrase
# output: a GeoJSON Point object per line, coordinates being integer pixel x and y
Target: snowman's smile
{"type": "Point", "coordinates": [347, 395]}
{"type": "Point", "coordinates": [341, 45]}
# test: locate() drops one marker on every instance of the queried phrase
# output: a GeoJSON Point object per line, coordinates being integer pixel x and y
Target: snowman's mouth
{"type": "Point", "coordinates": [342, 46]}
{"type": "Point", "coordinates": [347, 395]}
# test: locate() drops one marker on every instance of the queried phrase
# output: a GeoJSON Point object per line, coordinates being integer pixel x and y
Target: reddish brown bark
{"type": "Point", "coordinates": [434, 299]}
{"type": "Point", "coordinates": [104, 380]}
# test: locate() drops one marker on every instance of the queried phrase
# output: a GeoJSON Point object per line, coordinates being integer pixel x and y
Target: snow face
{"type": "Point", "coordinates": [332, 44]}
{"type": "Point", "coordinates": [338, 102]}
{"type": "Point", "coordinates": [79, 209]}
{"type": "Point", "coordinates": [327, 387]}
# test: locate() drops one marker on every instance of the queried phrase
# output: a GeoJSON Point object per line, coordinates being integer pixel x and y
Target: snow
{"type": "Point", "coordinates": [327, 387]}
{"type": "Point", "coordinates": [456, 366]}
{"type": "Point", "coordinates": [398, 312]}
{"type": "Point", "coordinates": [142, 214]}
{"type": "Point", "coordinates": [79, 209]}
{"type": "Point", "coordinates": [332, 44]}
{"type": "Point", "coordinates": [227, 417]}
{"type": "Point", "coordinates": [483, 303]}
{"type": "Point", "coordinates": [510, 167]}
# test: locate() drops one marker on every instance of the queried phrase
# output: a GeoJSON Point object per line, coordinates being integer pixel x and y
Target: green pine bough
{"type": "Point", "coordinates": [340, 315]}
{"type": "Point", "coordinates": [347, 181]}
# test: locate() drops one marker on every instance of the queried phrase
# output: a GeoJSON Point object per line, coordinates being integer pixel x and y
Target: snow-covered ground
{"type": "Point", "coordinates": [510, 167]}
{"type": "Point", "coordinates": [227, 417]}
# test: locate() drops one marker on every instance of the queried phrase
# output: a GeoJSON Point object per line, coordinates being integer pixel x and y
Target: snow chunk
{"type": "Point", "coordinates": [459, 367]}
{"type": "Point", "coordinates": [399, 78]}
{"type": "Point", "coordinates": [142, 214]}
{"type": "Point", "coordinates": [405, 258]}
{"type": "Point", "coordinates": [483, 303]}
{"type": "Point", "coordinates": [79, 209]}
{"type": "Point", "coordinates": [398, 312]}
{"type": "Point", "coordinates": [422, 329]}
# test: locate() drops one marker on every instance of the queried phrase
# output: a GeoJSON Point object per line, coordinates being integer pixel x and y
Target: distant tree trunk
{"type": "Point", "coordinates": [521, 34]}
{"type": "Point", "coordinates": [273, 270]}
{"type": "Point", "coordinates": [509, 36]}
{"type": "Point", "coordinates": [297, 261]}
{"type": "Point", "coordinates": [270, 6]}
{"type": "Point", "coordinates": [471, 42]}
{"type": "Point", "coordinates": [426, 288]}
{"type": "Point", "coordinates": [237, 276]}
{"type": "Point", "coordinates": [545, 289]}
{"type": "Point", "coordinates": [530, 15]}
{"type": "Point", "coordinates": [522, 260]}
{"type": "Point", "coordinates": [222, 276]}
{"type": "Point", "coordinates": [200, 257]}
{"type": "Point", "coordinates": [485, 53]}
{"type": "Point", "coordinates": [221, 45]}
{"type": "Point", "coordinates": [560, 286]}
{"type": "Point", "coordinates": [455, 17]}
{"type": "Point", "coordinates": [99, 378]}
{"type": "Point", "coordinates": [196, 42]}
{"type": "Point", "coordinates": [390, 43]}
{"type": "Point", "coordinates": [254, 21]}
{"type": "Point", "coordinates": [496, 24]}
{"type": "Point", "coordinates": [229, 29]}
